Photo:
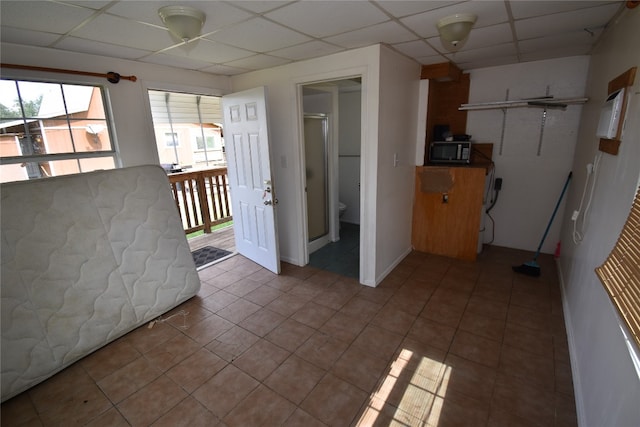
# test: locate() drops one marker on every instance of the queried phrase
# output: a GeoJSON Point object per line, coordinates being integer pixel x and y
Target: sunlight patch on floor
{"type": "Point", "coordinates": [407, 395]}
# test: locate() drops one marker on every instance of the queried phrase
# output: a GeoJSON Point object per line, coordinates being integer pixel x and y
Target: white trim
{"type": "Point", "coordinates": [573, 360]}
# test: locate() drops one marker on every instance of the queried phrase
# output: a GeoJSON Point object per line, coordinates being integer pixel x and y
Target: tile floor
{"type": "Point", "coordinates": [343, 256]}
{"type": "Point", "coordinates": [438, 343]}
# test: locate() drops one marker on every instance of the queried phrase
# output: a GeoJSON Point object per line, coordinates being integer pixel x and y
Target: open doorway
{"type": "Point", "coordinates": [332, 127]}
{"type": "Point", "coordinates": [190, 144]}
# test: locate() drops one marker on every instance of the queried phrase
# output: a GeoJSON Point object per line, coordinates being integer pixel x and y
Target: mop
{"type": "Point", "coordinates": [532, 268]}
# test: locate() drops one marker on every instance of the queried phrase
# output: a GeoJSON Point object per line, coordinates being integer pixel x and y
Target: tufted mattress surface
{"type": "Point", "coordinates": [85, 259]}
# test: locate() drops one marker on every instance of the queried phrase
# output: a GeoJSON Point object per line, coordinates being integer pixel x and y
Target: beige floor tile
{"type": "Point", "coordinates": [263, 295]}
{"type": "Point", "coordinates": [218, 300]}
{"type": "Point", "coordinates": [172, 352]}
{"type": "Point", "coordinates": [193, 371]}
{"type": "Point", "coordinates": [110, 418]}
{"type": "Point", "coordinates": [294, 378]}
{"type": "Point", "coordinates": [313, 315]}
{"type": "Point", "coordinates": [188, 413]}
{"type": "Point", "coordinates": [262, 322]}
{"type": "Point", "coordinates": [358, 368]}
{"type": "Point", "coordinates": [322, 350]}
{"type": "Point", "coordinates": [443, 313]}
{"type": "Point", "coordinates": [151, 402]}
{"type": "Point", "coordinates": [109, 359]}
{"type": "Point", "coordinates": [361, 308]}
{"type": "Point", "coordinates": [208, 329]}
{"type": "Point", "coordinates": [476, 349]}
{"type": "Point", "coordinates": [334, 401]}
{"type": "Point", "coordinates": [261, 359]}
{"type": "Point", "coordinates": [129, 379]}
{"type": "Point", "coordinates": [302, 418]}
{"type": "Point", "coordinates": [18, 411]}
{"type": "Point", "coordinates": [287, 304]}
{"type": "Point", "coordinates": [483, 326]}
{"type": "Point", "coordinates": [535, 370]}
{"type": "Point", "coordinates": [343, 327]}
{"type": "Point", "coordinates": [532, 341]}
{"type": "Point", "coordinates": [432, 333]}
{"type": "Point", "coordinates": [290, 334]}
{"type": "Point", "coordinates": [225, 390]}
{"type": "Point", "coordinates": [378, 342]}
{"type": "Point", "coordinates": [242, 287]}
{"type": "Point", "coordinates": [238, 310]}
{"type": "Point", "coordinates": [468, 378]}
{"type": "Point", "coordinates": [519, 398]}
{"type": "Point", "coordinates": [262, 407]}
{"type": "Point", "coordinates": [393, 320]}
{"type": "Point", "coordinates": [231, 344]}
{"type": "Point", "coordinates": [144, 338]}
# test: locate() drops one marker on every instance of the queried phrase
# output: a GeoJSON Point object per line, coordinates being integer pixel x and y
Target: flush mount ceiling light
{"type": "Point", "coordinates": [455, 29]}
{"type": "Point", "coordinates": [183, 21]}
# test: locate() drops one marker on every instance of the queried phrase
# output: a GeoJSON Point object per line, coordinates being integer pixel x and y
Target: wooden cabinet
{"type": "Point", "coordinates": [447, 210]}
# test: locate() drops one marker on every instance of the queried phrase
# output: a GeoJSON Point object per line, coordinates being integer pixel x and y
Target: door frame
{"type": "Point", "coordinates": [368, 166]}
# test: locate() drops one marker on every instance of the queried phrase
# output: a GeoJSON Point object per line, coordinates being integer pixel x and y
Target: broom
{"type": "Point", "coordinates": [532, 268]}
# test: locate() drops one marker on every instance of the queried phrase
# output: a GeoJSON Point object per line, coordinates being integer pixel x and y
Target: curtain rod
{"type": "Point", "coordinates": [112, 76]}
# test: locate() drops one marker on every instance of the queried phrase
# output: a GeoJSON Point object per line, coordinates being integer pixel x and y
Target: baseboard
{"type": "Point", "coordinates": [577, 387]}
{"type": "Point", "coordinates": [393, 265]}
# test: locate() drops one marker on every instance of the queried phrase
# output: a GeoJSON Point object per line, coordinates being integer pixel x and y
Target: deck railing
{"type": "Point", "coordinates": [202, 198]}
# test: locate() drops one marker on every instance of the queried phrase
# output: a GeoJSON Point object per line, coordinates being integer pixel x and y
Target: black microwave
{"type": "Point", "coordinates": [450, 152]}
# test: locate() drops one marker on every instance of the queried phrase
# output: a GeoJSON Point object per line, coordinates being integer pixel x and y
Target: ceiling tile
{"type": "Point", "coordinates": [125, 32]}
{"type": "Point", "coordinates": [206, 50]}
{"type": "Point", "coordinates": [92, 47]}
{"type": "Point", "coordinates": [529, 9]}
{"type": "Point", "coordinates": [488, 36]}
{"type": "Point", "coordinates": [257, 62]}
{"type": "Point", "coordinates": [432, 59]}
{"type": "Point", "coordinates": [578, 39]}
{"type": "Point", "coordinates": [43, 16]}
{"type": "Point", "coordinates": [498, 51]}
{"type": "Point", "coordinates": [224, 70]}
{"type": "Point", "coordinates": [560, 52]}
{"type": "Point", "coordinates": [488, 12]}
{"type": "Point", "coordinates": [308, 50]}
{"type": "Point", "coordinates": [259, 6]}
{"type": "Point", "coordinates": [33, 38]}
{"type": "Point", "coordinates": [319, 18]}
{"type": "Point", "coordinates": [388, 32]}
{"type": "Point", "coordinates": [591, 18]}
{"type": "Point", "coordinates": [258, 35]}
{"type": "Point", "coordinates": [417, 48]}
{"type": "Point", "coordinates": [487, 62]}
{"type": "Point", "coordinates": [176, 61]}
{"type": "Point", "coordinates": [401, 9]}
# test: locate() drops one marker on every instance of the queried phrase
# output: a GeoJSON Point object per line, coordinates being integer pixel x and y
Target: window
{"type": "Point", "coordinates": [194, 122]}
{"type": "Point", "coordinates": [620, 273]}
{"type": "Point", "coordinates": [49, 129]}
{"type": "Point", "coordinates": [171, 139]}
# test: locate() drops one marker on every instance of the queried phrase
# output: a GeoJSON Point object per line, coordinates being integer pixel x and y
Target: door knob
{"type": "Point", "coordinates": [268, 202]}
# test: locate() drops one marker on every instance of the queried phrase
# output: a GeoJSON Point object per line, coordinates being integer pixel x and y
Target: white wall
{"type": "Point", "coordinates": [282, 92]}
{"type": "Point", "coordinates": [607, 385]}
{"type": "Point", "coordinates": [129, 101]}
{"type": "Point", "coordinates": [531, 184]}
{"type": "Point", "coordinates": [349, 154]}
{"type": "Point", "coordinates": [399, 93]}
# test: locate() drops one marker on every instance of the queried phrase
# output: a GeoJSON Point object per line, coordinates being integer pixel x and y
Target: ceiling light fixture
{"type": "Point", "coordinates": [183, 21]}
{"type": "Point", "coordinates": [455, 29]}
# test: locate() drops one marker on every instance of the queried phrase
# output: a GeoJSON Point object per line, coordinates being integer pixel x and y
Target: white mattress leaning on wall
{"type": "Point", "coordinates": [85, 259]}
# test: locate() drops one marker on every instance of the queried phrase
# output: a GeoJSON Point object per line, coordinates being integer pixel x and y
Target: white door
{"type": "Point", "coordinates": [252, 194]}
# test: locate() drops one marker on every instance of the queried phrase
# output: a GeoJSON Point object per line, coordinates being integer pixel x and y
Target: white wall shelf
{"type": "Point", "coordinates": [542, 102]}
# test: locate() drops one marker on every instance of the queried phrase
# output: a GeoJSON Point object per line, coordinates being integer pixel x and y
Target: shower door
{"type": "Point", "coordinates": [315, 144]}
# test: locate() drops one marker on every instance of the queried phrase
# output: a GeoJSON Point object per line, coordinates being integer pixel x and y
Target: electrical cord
{"type": "Point", "coordinates": [592, 177]}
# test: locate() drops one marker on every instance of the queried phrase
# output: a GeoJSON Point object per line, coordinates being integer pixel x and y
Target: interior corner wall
{"type": "Point", "coordinates": [532, 182]}
{"type": "Point", "coordinates": [398, 125]}
{"type": "Point", "coordinates": [129, 101]}
{"type": "Point", "coordinates": [605, 364]}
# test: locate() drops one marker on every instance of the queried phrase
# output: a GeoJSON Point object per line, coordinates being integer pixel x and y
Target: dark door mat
{"type": "Point", "coordinates": [207, 255]}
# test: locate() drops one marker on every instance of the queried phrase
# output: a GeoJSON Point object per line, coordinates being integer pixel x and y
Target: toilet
{"type": "Point", "coordinates": [341, 209]}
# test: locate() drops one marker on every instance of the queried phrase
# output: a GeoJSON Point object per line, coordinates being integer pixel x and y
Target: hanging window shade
{"type": "Point", "coordinates": [184, 108]}
{"type": "Point", "coordinates": [620, 273]}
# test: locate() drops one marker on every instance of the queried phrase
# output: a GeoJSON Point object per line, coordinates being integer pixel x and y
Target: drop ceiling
{"type": "Point", "coordinates": [241, 36]}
